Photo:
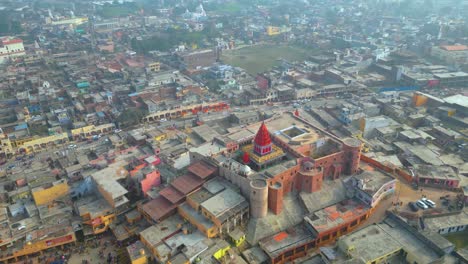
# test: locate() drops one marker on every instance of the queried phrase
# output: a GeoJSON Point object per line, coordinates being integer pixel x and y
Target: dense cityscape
{"type": "Point", "coordinates": [233, 131]}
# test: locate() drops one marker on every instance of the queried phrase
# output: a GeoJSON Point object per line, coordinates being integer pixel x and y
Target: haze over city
{"type": "Point", "coordinates": [233, 131]}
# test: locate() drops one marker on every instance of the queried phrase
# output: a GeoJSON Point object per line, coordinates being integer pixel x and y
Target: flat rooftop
{"type": "Point", "coordinates": [155, 234]}
{"type": "Point", "coordinates": [437, 223]}
{"type": "Point", "coordinates": [107, 179]}
{"type": "Point", "coordinates": [185, 207]}
{"type": "Point", "coordinates": [288, 239]}
{"type": "Point", "coordinates": [335, 215]}
{"type": "Point", "coordinates": [223, 202]}
{"type": "Point", "coordinates": [409, 242]}
{"type": "Point", "coordinates": [205, 132]}
{"type": "Point", "coordinates": [93, 206]}
{"type": "Point", "coordinates": [437, 172]}
{"type": "Point", "coordinates": [373, 180]}
{"type": "Point", "coordinates": [136, 249]}
{"type": "Point", "coordinates": [369, 243]}
{"type": "Point", "coordinates": [331, 193]}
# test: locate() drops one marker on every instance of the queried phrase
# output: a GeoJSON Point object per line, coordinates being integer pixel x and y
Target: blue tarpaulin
{"type": "Point", "coordinates": [21, 126]}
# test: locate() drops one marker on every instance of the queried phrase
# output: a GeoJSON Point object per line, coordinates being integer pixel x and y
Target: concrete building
{"type": "Point", "coordinates": [452, 79]}
{"type": "Point", "coordinates": [369, 124]}
{"type": "Point", "coordinates": [437, 176]}
{"type": "Point", "coordinates": [44, 195]}
{"type": "Point", "coordinates": [11, 48]}
{"type": "Point", "coordinates": [242, 118]}
{"type": "Point", "coordinates": [448, 223]}
{"type": "Point", "coordinates": [197, 59]}
{"type": "Point", "coordinates": [454, 55]}
{"type": "Point", "coordinates": [215, 209]}
{"type": "Point", "coordinates": [394, 240]}
{"type": "Point", "coordinates": [372, 186]}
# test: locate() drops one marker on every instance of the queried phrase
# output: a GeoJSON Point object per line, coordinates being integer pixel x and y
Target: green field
{"type": "Point", "coordinates": [460, 239]}
{"type": "Point", "coordinates": [118, 10]}
{"type": "Point", "coordinates": [260, 58]}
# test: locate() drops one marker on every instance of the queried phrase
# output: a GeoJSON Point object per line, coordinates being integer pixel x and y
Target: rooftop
{"type": "Point", "coordinates": [290, 238]}
{"type": "Point", "coordinates": [158, 208]}
{"type": "Point", "coordinates": [107, 179]}
{"type": "Point", "coordinates": [202, 169]}
{"type": "Point", "coordinates": [454, 47]}
{"type": "Point", "coordinates": [185, 207]}
{"type": "Point", "coordinates": [369, 243]}
{"type": "Point", "coordinates": [458, 99]}
{"type": "Point", "coordinates": [331, 193]}
{"type": "Point", "coordinates": [187, 183]}
{"type": "Point", "coordinates": [373, 180]}
{"type": "Point", "coordinates": [335, 215]}
{"type": "Point", "coordinates": [437, 223]}
{"type": "Point", "coordinates": [156, 233]}
{"type": "Point", "coordinates": [93, 206]}
{"type": "Point", "coordinates": [172, 194]}
{"type": "Point", "coordinates": [409, 241]}
{"type": "Point", "coordinates": [437, 172]}
{"type": "Point", "coordinates": [137, 250]}
{"type": "Point", "coordinates": [223, 202]}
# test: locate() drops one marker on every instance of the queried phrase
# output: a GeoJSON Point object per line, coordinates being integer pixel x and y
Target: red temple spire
{"type": "Point", "coordinates": [263, 136]}
{"type": "Point", "coordinates": [246, 158]}
{"type": "Point", "coordinates": [262, 142]}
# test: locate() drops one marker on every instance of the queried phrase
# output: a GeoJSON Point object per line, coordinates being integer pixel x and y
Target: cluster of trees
{"type": "Point", "coordinates": [8, 25]}
{"type": "Point", "coordinates": [131, 117]}
{"type": "Point", "coordinates": [172, 37]}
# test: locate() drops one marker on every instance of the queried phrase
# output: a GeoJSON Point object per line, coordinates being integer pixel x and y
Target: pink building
{"type": "Point", "coordinates": [152, 179]}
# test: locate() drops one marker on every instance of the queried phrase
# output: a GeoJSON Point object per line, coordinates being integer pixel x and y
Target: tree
{"type": "Point", "coordinates": [131, 117]}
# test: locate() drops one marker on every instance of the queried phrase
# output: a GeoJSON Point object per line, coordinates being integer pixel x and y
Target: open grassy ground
{"type": "Point", "coordinates": [460, 239]}
{"type": "Point", "coordinates": [260, 58]}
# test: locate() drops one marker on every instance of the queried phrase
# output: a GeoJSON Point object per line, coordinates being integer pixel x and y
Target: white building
{"type": "Point", "coordinates": [10, 48]}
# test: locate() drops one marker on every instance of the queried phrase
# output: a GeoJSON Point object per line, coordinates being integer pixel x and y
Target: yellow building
{"type": "Point", "coordinates": [273, 31]}
{"type": "Point", "coordinates": [204, 225]}
{"type": "Point", "coordinates": [46, 194]}
{"type": "Point", "coordinates": [237, 237]}
{"type": "Point", "coordinates": [6, 148]}
{"type": "Point", "coordinates": [42, 143]}
{"type": "Point", "coordinates": [38, 241]}
{"type": "Point", "coordinates": [90, 131]}
{"type": "Point", "coordinates": [97, 215]}
{"type": "Point", "coordinates": [223, 248]}
{"type": "Point", "coordinates": [138, 253]}
{"type": "Point", "coordinates": [154, 67]}
{"type": "Point", "coordinates": [158, 134]}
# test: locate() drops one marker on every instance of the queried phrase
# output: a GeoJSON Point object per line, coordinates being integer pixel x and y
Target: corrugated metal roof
{"type": "Point", "coordinates": [172, 194]}
{"type": "Point", "coordinates": [158, 208]}
{"type": "Point", "coordinates": [202, 169]}
{"type": "Point", "coordinates": [187, 183]}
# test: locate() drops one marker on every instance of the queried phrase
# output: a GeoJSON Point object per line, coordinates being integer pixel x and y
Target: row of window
{"type": "Point", "coordinates": [10, 51]}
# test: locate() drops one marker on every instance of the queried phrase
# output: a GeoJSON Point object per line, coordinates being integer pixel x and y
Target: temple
{"type": "Point", "coordinates": [262, 151]}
